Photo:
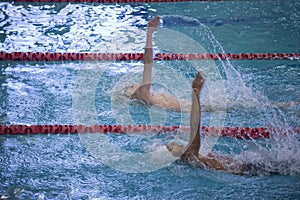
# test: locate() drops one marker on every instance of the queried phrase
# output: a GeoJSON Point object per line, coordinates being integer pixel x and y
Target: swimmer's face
{"type": "Point", "coordinates": [131, 89]}
{"type": "Point", "coordinates": [175, 149]}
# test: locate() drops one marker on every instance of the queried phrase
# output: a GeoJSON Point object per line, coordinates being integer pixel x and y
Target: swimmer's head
{"type": "Point", "coordinates": [175, 149]}
{"type": "Point", "coordinates": [129, 90]}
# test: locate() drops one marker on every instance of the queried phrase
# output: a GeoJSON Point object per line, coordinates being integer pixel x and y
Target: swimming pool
{"type": "Point", "coordinates": [61, 167]}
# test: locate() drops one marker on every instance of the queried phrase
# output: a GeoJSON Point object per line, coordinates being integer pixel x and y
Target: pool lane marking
{"type": "Point", "coordinates": [234, 132]}
{"type": "Point", "coordinates": [92, 56]}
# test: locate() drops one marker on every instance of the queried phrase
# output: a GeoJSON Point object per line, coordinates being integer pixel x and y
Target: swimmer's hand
{"type": "Point", "coordinates": [153, 23]}
{"type": "Point", "coordinates": [198, 82]}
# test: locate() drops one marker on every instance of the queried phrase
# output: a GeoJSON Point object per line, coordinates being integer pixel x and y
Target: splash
{"type": "Point", "coordinates": [281, 153]}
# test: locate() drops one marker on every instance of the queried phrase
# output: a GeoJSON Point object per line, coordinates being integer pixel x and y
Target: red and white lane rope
{"type": "Point", "coordinates": [237, 132]}
{"type": "Point", "coordinates": [113, 1]}
{"type": "Point", "coordinates": [56, 56]}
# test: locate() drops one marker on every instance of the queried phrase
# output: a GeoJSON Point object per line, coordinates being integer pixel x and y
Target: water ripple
{"type": "Point", "coordinates": [64, 27]}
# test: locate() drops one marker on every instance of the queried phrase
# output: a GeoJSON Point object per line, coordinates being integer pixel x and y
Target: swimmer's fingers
{"type": "Point", "coordinates": [154, 22]}
{"type": "Point", "coordinates": [198, 81]}
{"type": "Point", "coordinates": [200, 76]}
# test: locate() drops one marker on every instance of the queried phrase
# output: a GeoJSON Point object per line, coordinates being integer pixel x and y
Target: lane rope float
{"type": "Point", "coordinates": [67, 56]}
{"type": "Point", "coordinates": [233, 132]}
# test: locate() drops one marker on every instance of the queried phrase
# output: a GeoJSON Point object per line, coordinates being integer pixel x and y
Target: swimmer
{"type": "Point", "coordinates": [190, 154]}
{"type": "Point", "coordinates": [142, 91]}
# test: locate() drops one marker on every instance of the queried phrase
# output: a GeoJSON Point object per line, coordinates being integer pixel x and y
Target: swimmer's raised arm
{"type": "Point", "coordinates": [148, 56]}
{"type": "Point", "coordinates": [142, 91]}
{"type": "Point", "coordinates": [193, 146]}
{"type": "Point", "coordinates": [195, 117]}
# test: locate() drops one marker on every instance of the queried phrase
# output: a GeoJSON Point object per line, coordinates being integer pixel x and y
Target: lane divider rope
{"type": "Point", "coordinates": [236, 132]}
{"type": "Point", "coordinates": [67, 56]}
{"type": "Point", "coordinates": [115, 1]}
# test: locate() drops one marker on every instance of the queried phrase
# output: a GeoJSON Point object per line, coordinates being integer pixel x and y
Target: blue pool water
{"type": "Point", "coordinates": [237, 93]}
